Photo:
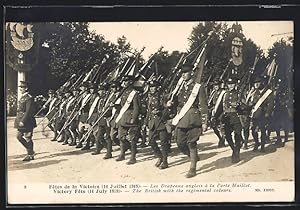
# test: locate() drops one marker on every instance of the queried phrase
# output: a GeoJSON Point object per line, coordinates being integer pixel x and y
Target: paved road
{"type": "Point", "coordinates": [61, 163]}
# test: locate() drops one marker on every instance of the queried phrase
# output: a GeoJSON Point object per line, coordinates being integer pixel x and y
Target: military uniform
{"type": "Point", "coordinates": [157, 128]}
{"type": "Point", "coordinates": [189, 127]}
{"type": "Point", "coordinates": [232, 121]}
{"type": "Point", "coordinates": [128, 123]}
{"type": "Point", "coordinates": [260, 117]}
{"type": "Point", "coordinates": [216, 124]}
{"type": "Point", "coordinates": [25, 122]}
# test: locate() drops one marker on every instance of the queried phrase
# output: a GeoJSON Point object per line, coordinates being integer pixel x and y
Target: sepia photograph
{"type": "Point", "coordinates": [149, 112]}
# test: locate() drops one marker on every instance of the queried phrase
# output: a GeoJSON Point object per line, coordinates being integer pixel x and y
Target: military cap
{"type": "Point", "coordinates": [186, 67]}
{"type": "Point", "coordinates": [84, 84]}
{"type": "Point", "coordinates": [67, 90]}
{"type": "Point", "coordinates": [23, 84]}
{"type": "Point", "coordinates": [92, 86]}
{"type": "Point", "coordinates": [128, 77]}
{"type": "Point", "coordinates": [76, 89]}
{"type": "Point", "coordinates": [102, 86]}
{"type": "Point", "coordinates": [216, 82]}
{"type": "Point", "coordinates": [115, 84]}
{"type": "Point", "coordinates": [231, 81]}
{"type": "Point", "coordinates": [154, 83]}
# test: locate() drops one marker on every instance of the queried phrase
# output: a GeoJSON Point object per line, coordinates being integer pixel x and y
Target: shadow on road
{"type": "Point", "coordinates": [15, 165]}
{"type": "Point", "coordinates": [226, 161]}
{"type": "Point", "coordinates": [23, 155]}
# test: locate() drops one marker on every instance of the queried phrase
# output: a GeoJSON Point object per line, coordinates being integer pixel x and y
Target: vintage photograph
{"type": "Point", "coordinates": [149, 112]}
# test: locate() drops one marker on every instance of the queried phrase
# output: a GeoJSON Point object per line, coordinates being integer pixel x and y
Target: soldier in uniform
{"type": "Point", "coordinates": [156, 125]}
{"type": "Point", "coordinates": [68, 111]}
{"type": "Point", "coordinates": [194, 121]}
{"type": "Point", "coordinates": [83, 112]}
{"type": "Point", "coordinates": [74, 107]}
{"type": "Point", "coordinates": [127, 120]}
{"type": "Point", "coordinates": [216, 125]}
{"type": "Point", "coordinates": [84, 117]}
{"type": "Point", "coordinates": [231, 119]}
{"type": "Point", "coordinates": [114, 111]}
{"type": "Point", "coordinates": [259, 117]}
{"type": "Point", "coordinates": [101, 128]}
{"type": "Point", "coordinates": [61, 118]}
{"type": "Point", "coordinates": [25, 121]}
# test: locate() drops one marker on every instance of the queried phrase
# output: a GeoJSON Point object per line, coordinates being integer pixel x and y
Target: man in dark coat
{"type": "Point", "coordinates": [127, 120]}
{"type": "Point", "coordinates": [231, 119]}
{"type": "Point", "coordinates": [193, 118]}
{"type": "Point", "coordinates": [25, 121]}
{"type": "Point", "coordinates": [156, 125]}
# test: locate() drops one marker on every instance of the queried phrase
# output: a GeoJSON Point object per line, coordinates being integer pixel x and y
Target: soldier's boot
{"type": "Point", "coordinates": [132, 159]}
{"type": "Point", "coordinates": [194, 159]}
{"type": "Point", "coordinates": [221, 142]}
{"type": "Point", "coordinates": [65, 139]}
{"type": "Point", "coordinates": [143, 135]}
{"type": "Point", "coordinates": [109, 150]}
{"type": "Point", "coordinates": [122, 152]}
{"type": "Point", "coordinates": [286, 136]}
{"type": "Point", "coordinates": [87, 145]}
{"type": "Point", "coordinates": [164, 163]}
{"type": "Point", "coordinates": [55, 136]}
{"type": "Point", "coordinates": [30, 151]}
{"type": "Point", "coordinates": [62, 137]}
{"type": "Point", "coordinates": [99, 147]}
{"type": "Point", "coordinates": [73, 141]}
{"type": "Point", "coordinates": [256, 143]}
{"type": "Point", "coordinates": [158, 154]}
{"type": "Point", "coordinates": [93, 141]}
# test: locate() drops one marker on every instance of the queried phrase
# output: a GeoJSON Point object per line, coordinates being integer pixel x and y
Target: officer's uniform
{"type": "Point", "coordinates": [157, 128]}
{"type": "Point", "coordinates": [128, 123]}
{"type": "Point", "coordinates": [232, 121]}
{"type": "Point", "coordinates": [25, 116]}
{"type": "Point", "coordinates": [188, 129]}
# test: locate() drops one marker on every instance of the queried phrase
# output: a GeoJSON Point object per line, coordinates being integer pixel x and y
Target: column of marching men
{"type": "Point", "coordinates": [112, 114]}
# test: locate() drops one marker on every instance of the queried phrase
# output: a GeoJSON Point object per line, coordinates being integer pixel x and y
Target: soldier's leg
{"type": "Point", "coordinates": [246, 132]}
{"type": "Point", "coordinates": [108, 144]}
{"type": "Point", "coordinates": [99, 133]}
{"type": "Point", "coordinates": [122, 132]}
{"type": "Point", "coordinates": [22, 140]}
{"type": "Point", "coordinates": [143, 136]}
{"type": "Point", "coordinates": [238, 140]}
{"type": "Point", "coordinates": [155, 147]}
{"type": "Point", "coordinates": [133, 133]}
{"type": "Point", "coordinates": [181, 140]}
{"type": "Point", "coordinates": [30, 153]}
{"type": "Point", "coordinates": [263, 138]}
{"type": "Point", "coordinates": [193, 137]}
{"type": "Point", "coordinates": [228, 137]}
{"type": "Point", "coordinates": [164, 142]}
{"type": "Point", "coordinates": [278, 137]}
{"type": "Point", "coordinates": [81, 131]}
{"type": "Point", "coordinates": [114, 136]}
{"type": "Point", "coordinates": [254, 130]}
{"type": "Point", "coordinates": [55, 130]}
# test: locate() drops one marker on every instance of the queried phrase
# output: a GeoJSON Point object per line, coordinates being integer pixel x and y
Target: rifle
{"type": "Point", "coordinates": [104, 111]}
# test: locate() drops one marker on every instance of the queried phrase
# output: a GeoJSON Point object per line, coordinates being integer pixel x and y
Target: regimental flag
{"type": "Point", "coordinates": [199, 64]}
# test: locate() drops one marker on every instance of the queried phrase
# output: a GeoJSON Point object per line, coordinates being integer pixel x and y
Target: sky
{"type": "Point", "coordinates": [174, 35]}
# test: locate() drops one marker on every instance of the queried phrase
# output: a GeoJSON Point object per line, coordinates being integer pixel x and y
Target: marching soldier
{"type": "Point", "coordinates": [61, 118]}
{"type": "Point", "coordinates": [25, 121]}
{"type": "Point", "coordinates": [53, 101]}
{"type": "Point", "coordinates": [114, 112]}
{"type": "Point", "coordinates": [231, 119]}
{"type": "Point", "coordinates": [67, 112]}
{"type": "Point", "coordinates": [83, 112]}
{"type": "Point", "coordinates": [216, 124]}
{"type": "Point", "coordinates": [191, 118]}
{"type": "Point", "coordinates": [262, 107]}
{"type": "Point", "coordinates": [84, 117]}
{"type": "Point", "coordinates": [157, 128]}
{"type": "Point", "coordinates": [74, 107]}
{"type": "Point", "coordinates": [101, 141]}
{"type": "Point", "coordinates": [127, 120]}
